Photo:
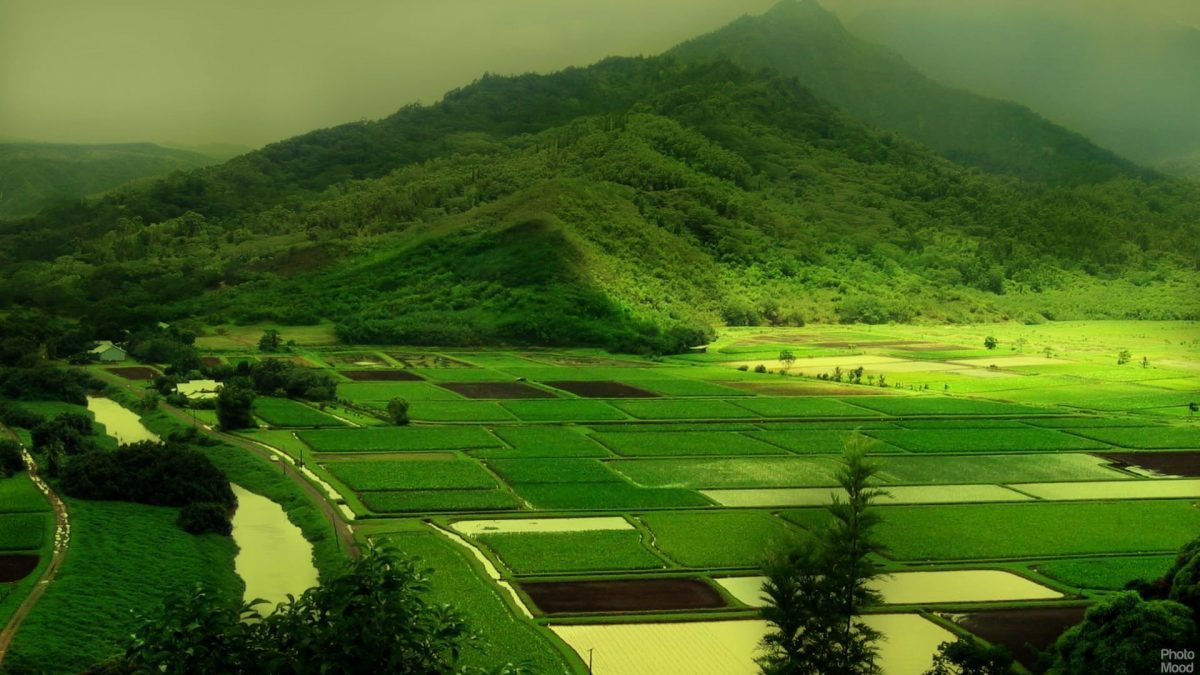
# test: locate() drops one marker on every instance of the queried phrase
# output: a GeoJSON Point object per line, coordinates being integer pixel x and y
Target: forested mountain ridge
{"type": "Point", "coordinates": [36, 175]}
{"type": "Point", "coordinates": [801, 39]}
{"type": "Point", "coordinates": [630, 204]}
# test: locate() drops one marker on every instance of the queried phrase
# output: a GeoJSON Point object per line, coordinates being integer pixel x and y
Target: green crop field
{"type": "Point", "coordinates": [386, 391]}
{"type": "Point", "coordinates": [654, 443]}
{"type": "Point", "coordinates": [1146, 438]}
{"type": "Point", "coordinates": [1026, 468]}
{"type": "Point", "coordinates": [554, 470]}
{"type": "Point", "coordinates": [411, 475]}
{"type": "Point", "coordinates": [282, 412]}
{"type": "Point", "coordinates": [816, 441]}
{"type": "Point", "coordinates": [942, 405]}
{"type": "Point", "coordinates": [960, 532]}
{"type": "Point", "coordinates": [608, 495]}
{"type": "Point", "coordinates": [23, 531]}
{"type": "Point", "coordinates": [398, 439]}
{"type": "Point", "coordinates": [562, 410]}
{"type": "Point", "coordinates": [459, 411]}
{"type": "Point", "coordinates": [414, 501]}
{"type": "Point", "coordinates": [18, 494]}
{"type": "Point", "coordinates": [725, 472]}
{"type": "Point", "coordinates": [546, 553]}
{"type": "Point", "coordinates": [720, 539]}
{"type": "Point", "coordinates": [684, 387]}
{"type": "Point", "coordinates": [544, 442]}
{"type": "Point", "coordinates": [682, 409]}
{"type": "Point", "coordinates": [1109, 574]}
{"type": "Point", "coordinates": [984, 440]}
{"type": "Point", "coordinates": [805, 406]}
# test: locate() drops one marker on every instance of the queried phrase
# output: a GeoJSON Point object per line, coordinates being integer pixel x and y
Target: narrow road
{"type": "Point", "coordinates": [62, 538]}
{"type": "Point", "coordinates": [344, 533]}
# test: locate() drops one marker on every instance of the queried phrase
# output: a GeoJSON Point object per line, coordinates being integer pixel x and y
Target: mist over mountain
{"type": "Point", "coordinates": [631, 204]}
{"type": "Point", "coordinates": [36, 175]}
{"type": "Point", "coordinates": [801, 39]}
{"type": "Point", "coordinates": [1129, 81]}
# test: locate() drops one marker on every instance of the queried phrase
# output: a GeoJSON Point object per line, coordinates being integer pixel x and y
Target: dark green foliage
{"type": "Point", "coordinates": [11, 459]}
{"type": "Point", "coordinates": [67, 431]}
{"type": "Point", "coordinates": [202, 517]}
{"type": "Point", "coordinates": [147, 473]}
{"type": "Point", "coordinates": [969, 656]}
{"type": "Point", "coordinates": [374, 618]}
{"type": "Point", "coordinates": [397, 410]}
{"type": "Point", "coordinates": [1124, 634]}
{"type": "Point", "coordinates": [13, 415]}
{"type": "Point", "coordinates": [269, 341]}
{"type": "Point", "coordinates": [46, 383]}
{"type": "Point", "coordinates": [271, 376]}
{"type": "Point", "coordinates": [816, 591]}
{"type": "Point", "coordinates": [235, 407]}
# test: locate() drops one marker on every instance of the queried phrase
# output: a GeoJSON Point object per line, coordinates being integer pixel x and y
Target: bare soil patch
{"type": "Point", "coordinates": [17, 567]}
{"type": "Point", "coordinates": [578, 360]}
{"type": "Point", "coordinates": [932, 347]}
{"type": "Point", "coordinates": [843, 344]}
{"type": "Point", "coordinates": [627, 595]}
{"type": "Point", "coordinates": [495, 390]}
{"type": "Point", "coordinates": [210, 360]}
{"type": "Point", "coordinates": [601, 389]}
{"type": "Point", "coordinates": [1023, 631]}
{"type": "Point", "coordinates": [1167, 463]}
{"type": "Point", "coordinates": [379, 375]}
{"type": "Point", "coordinates": [134, 372]}
{"type": "Point", "coordinates": [360, 359]}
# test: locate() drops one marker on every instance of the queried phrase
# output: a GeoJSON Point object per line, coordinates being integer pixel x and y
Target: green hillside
{"type": "Point", "coordinates": [801, 39]}
{"type": "Point", "coordinates": [632, 205]}
{"type": "Point", "coordinates": [36, 175]}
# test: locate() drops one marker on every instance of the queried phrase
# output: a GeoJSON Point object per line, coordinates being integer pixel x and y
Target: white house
{"type": "Point", "coordinates": [107, 351]}
{"type": "Point", "coordinates": [198, 389]}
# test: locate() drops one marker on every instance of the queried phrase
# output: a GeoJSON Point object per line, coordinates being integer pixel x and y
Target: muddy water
{"type": "Point", "coordinates": [915, 588]}
{"type": "Point", "coordinates": [121, 423]}
{"type": "Point", "coordinates": [273, 557]}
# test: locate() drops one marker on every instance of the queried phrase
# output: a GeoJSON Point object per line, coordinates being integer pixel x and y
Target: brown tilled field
{"type": "Point", "coordinates": [1167, 463]}
{"type": "Point", "coordinates": [601, 389]}
{"type": "Point", "coordinates": [17, 567]}
{"type": "Point", "coordinates": [1023, 631]}
{"type": "Point", "coordinates": [626, 595]}
{"type": "Point", "coordinates": [495, 390]}
{"type": "Point", "coordinates": [379, 375]}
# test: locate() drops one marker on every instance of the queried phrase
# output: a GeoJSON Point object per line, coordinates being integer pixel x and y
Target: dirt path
{"type": "Point", "coordinates": [62, 538]}
{"type": "Point", "coordinates": [344, 533]}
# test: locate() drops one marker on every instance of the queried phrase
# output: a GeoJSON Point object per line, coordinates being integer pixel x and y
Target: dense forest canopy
{"type": "Point", "coordinates": [631, 204]}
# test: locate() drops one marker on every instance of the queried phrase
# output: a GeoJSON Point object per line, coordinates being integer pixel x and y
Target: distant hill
{"type": "Point", "coordinates": [631, 204]}
{"type": "Point", "coordinates": [1126, 80]}
{"type": "Point", "coordinates": [36, 175]}
{"type": "Point", "coordinates": [801, 39]}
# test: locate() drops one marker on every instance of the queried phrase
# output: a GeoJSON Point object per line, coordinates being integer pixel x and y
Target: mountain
{"type": "Point", "coordinates": [36, 175]}
{"type": "Point", "coordinates": [1125, 79]}
{"type": "Point", "coordinates": [631, 204]}
{"type": "Point", "coordinates": [801, 39]}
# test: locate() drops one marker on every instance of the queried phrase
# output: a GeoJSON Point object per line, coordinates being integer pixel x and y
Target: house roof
{"type": "Point", "coordinates": [104, 346]}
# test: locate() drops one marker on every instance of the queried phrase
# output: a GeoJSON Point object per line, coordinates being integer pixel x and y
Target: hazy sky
{"type": "Point", "coordinates": [254, 71]}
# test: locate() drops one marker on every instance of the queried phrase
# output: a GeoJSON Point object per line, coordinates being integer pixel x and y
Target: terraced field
{"type": "Point", "coordinates": [548, 481]}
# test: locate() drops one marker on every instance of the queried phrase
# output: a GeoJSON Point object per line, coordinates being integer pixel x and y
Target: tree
{"type": "Point", "coordinates": [1123, 357]}
{"type": "Point", "coordinates": [1048, 351]}
{"type": "Point", "coordinates": [270, 340]}
{"type": "Point", "coordinates": [968, 656]}
{"type": "Point", "coordinates": [12, 461]}
{"type": "Point", "coordinates": [374, 618]}
{"type": "Point", "coordinates": [1124, 634]}
{"type": "Point", "coordinates": [1145, 362]}
{"type": "Point", "coordinates": [235, 405]}
{"type": "Point", "coordinates": [787, 358]}
{"type": "Point", "coordinates": [990, 342]}
{"type": "Point", "coordinates": [397, 410]}
{"type": "Point", "coordinates": [815, 592]}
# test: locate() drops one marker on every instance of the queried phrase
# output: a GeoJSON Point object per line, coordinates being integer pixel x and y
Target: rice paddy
{"type": "Point", "coordinates": [596, 489]}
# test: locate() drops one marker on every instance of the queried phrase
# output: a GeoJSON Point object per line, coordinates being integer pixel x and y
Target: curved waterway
{"type": "Point", "coordinates": [121, 423]}
{"type": "Point", "coordinates": [273, 559]}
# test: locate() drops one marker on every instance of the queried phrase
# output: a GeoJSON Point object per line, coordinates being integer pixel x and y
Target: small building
{"type": "Point", "coordinates": [107, 351]}
{"type": "Point", "coordinates": [198, 389]}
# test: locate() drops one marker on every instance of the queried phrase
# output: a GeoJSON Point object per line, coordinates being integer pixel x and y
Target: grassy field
{"type": "Point", "coordinates": [955, 425]}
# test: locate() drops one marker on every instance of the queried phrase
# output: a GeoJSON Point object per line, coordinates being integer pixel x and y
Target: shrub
{"type": "Point", "coordinates": [203, 517]}
{"type": "Point", "coordinates": [147, 473]}
{"type": "Point", "coordinates": [11, 460]}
